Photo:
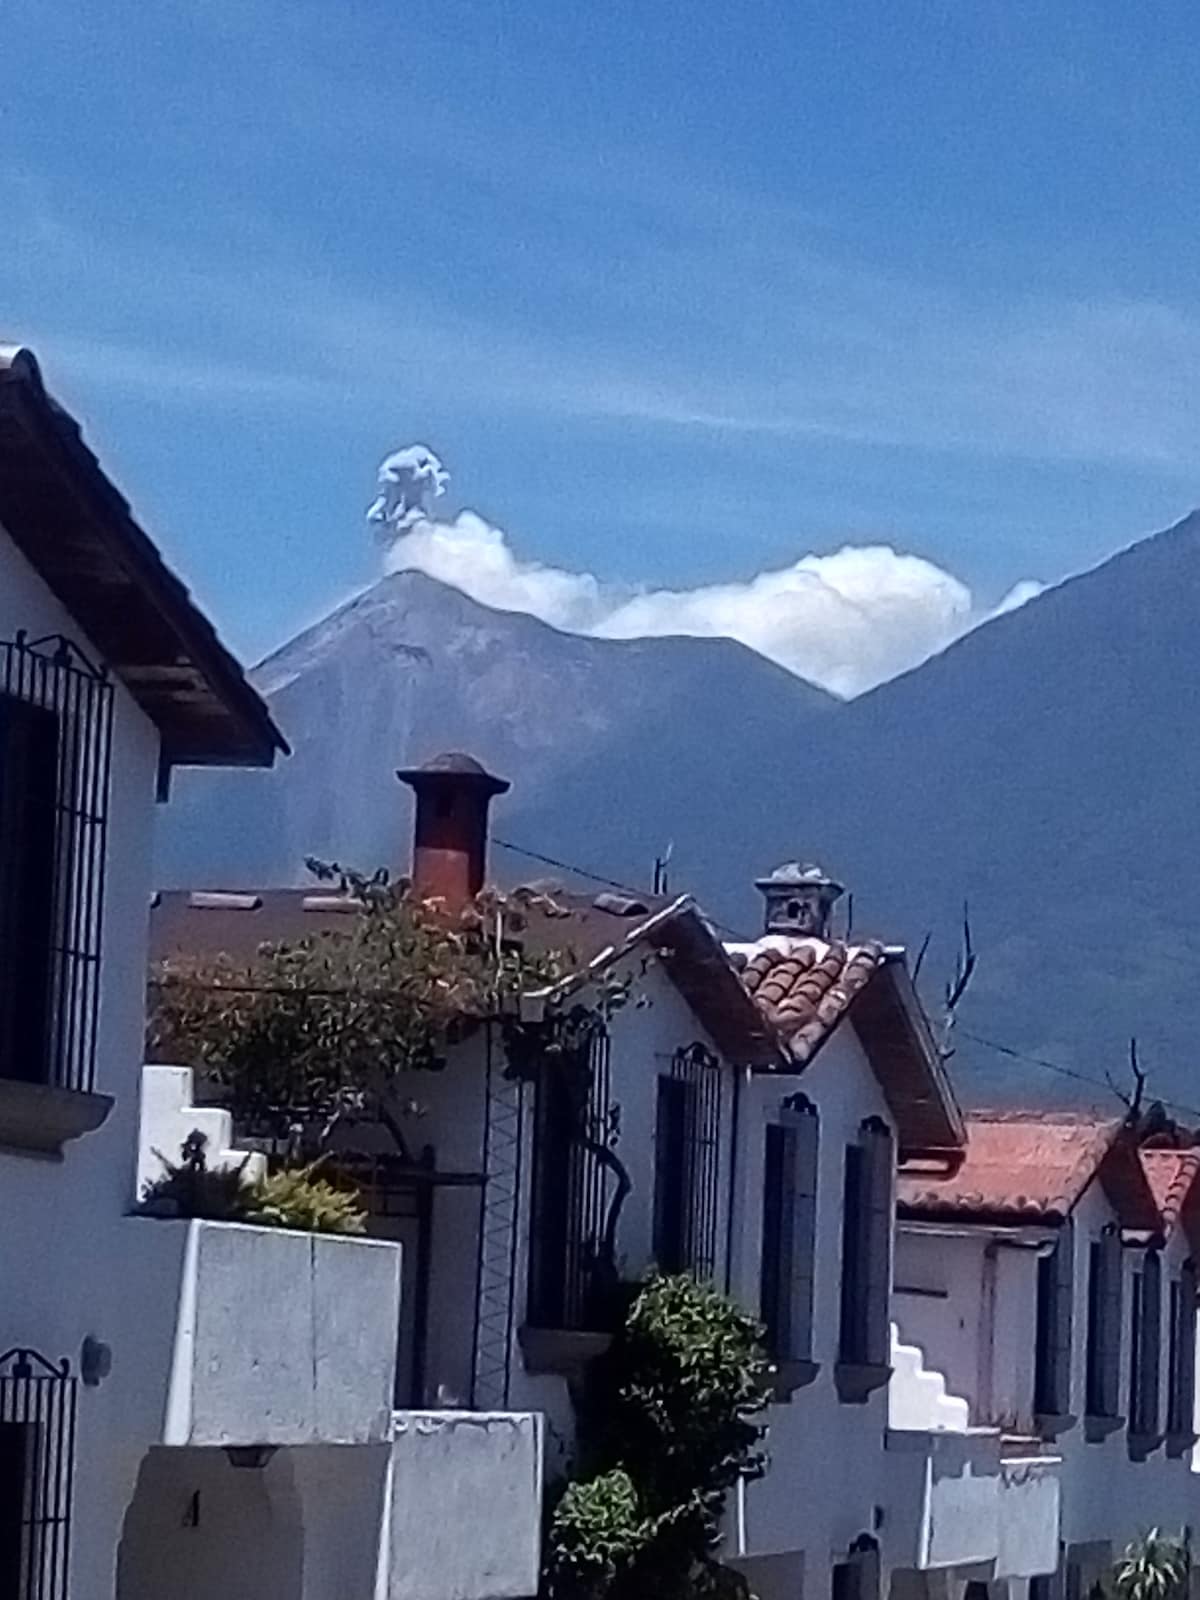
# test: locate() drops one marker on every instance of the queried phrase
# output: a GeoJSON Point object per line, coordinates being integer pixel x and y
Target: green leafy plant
{"type": "Point", "coordinates": [290, 1198]}
{"type": "Point", "coordinates": [191, 1188]}
{"type": "Point", "coordinates": [1154, 1566]}
{"type": "Point", "coordinates": [666, 1427]}
{"type": "Point", "coordinates": [294, 1198]}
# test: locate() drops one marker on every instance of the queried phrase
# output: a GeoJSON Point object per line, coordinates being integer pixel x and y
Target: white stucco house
{"type": "Point", "coordinates": [1052, 1279]}
{"type": "Point", "coordinates": [745, 1112]}
{"type": "Point", "coordinates": [186, 1408]}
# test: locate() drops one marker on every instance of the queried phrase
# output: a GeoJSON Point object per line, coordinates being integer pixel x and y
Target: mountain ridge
{"type": "Point", "coordinates": [1043, 768]}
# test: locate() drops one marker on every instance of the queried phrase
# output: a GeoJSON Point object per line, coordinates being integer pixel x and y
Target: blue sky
{"type": "Point", "coordinates": [680, 293]}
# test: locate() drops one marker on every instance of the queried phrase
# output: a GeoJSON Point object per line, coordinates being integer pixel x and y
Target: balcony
{"type": "Point", "coordinates": [466, 1505]}
{"type": "Point", "coordinates": [265, 1336]}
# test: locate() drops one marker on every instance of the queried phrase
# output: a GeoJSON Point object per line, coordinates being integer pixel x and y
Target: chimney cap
{"type": "Point", "coordinates": [454, 764]}
{"type": "Point", "coordinates": [800, 875]}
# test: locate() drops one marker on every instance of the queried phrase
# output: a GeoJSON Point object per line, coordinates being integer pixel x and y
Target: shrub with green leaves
{"type": "Point", "coordinates": [295, 1198]}
{"type": "Point", "coordinates": [666, 1427]}
{"type": "Point", "coordinates": [1153, 1567]}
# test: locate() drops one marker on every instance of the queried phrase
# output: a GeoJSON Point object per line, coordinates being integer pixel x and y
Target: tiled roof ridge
{"type": "Point", "coordinates": [1170, 1174]}
{"type": "Point", "coordinates": [1052, 1118]}
{"type": "Point", "coordinates": [804, 985]}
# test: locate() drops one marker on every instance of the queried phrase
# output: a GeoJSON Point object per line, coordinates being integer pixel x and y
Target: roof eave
{"type": "Point", "coordinates": [215, 717]}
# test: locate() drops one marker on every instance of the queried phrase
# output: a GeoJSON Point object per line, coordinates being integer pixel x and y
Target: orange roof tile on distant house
{"type": "Point", "coordinates": [1172, 1176]}
{"type": "Point", "coordinates": [1034, 1167]}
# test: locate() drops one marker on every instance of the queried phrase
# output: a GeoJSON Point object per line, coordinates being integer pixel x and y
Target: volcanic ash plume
{"type": "Point", "coordinates": [409, 481]}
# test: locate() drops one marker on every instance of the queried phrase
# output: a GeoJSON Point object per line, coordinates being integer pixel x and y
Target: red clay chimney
{"type": "Point", "coordinates": [449, 860]}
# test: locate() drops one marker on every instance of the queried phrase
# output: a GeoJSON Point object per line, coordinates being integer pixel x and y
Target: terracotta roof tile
{"type": "Point", "coordinates": [1171, 1174]}
{"type": "Point", "coordinates": [804, 986]}
{"type": "Point", "coordinates": [1026, 1166]}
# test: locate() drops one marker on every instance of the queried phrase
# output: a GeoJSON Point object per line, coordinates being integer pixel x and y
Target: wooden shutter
{"type": "Point", "coordinates": [880, 1214]}
{"type": "Point", "coordinates": [1055, 1322]}
{"type": "Point", "coordinates": [1182, 1373]}
{"type": "Point", "coordinates": [867, 1224]}
{"type": "Point", "coordinates": [28, 835]}
{"type": "Point", "coordinates": [778, 1237]}
{"type": "Point", "coordinates": [1105, 1300]}
{"type": "Point", "coordinates": [851, 1339]}
{"type": "Point", "coordinates": [1148, 1310]}
{"type": "Point", "coordinates": [789, 1233]}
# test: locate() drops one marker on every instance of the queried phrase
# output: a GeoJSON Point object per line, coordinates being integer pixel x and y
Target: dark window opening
{"type": "Point", "coordinates": [37, 1447]}
{"type": "Point", "coordinates": [55, 748]}
{"type": "Point", "coordinates": [29, 836]}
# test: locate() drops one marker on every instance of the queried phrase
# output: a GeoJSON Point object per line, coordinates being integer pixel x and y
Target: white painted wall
{"type": "Point", "coordinates": [57, 1247]}
{"type": "Point", "coordinates": [466, 1506]}
{"type": "Point", "coordinates": [825, 1480]}
{"type": "Point", "coordinates": [975, 1319]}
{"type": "Point", "coordinates": [76, 1264]}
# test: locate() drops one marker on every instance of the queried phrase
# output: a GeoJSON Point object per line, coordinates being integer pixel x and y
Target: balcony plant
{"type": "Point", "coordinates": [292, 1197]}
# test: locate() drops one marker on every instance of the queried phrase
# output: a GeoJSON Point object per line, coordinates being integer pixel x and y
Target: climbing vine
{"type": "Point", "coordinates": [667, 1425]}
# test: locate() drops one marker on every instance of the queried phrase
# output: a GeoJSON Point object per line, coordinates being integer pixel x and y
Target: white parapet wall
{"type": "Point", "coordinates": [276, 1338]}
{"type": "Point", "coordinates": [1030, 1514]}
{"type": "Point", "coordinates": [942, 1499]}
{"type": "Point", "coordinates": [466, 1505]}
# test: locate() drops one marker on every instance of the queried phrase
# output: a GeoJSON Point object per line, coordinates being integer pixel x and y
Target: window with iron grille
{"type": "Point", "coordinates": [687, 1153]}
{"type": "Point", "coordinates": [55, 750]}
{"type": "Point", "coordinates": [37, 1464]}
{"type": "Point", "coordinates": [572, 1247]}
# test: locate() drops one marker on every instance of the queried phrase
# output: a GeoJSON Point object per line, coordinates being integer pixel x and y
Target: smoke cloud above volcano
{"type": "Point", "coordinates": [846, 620]}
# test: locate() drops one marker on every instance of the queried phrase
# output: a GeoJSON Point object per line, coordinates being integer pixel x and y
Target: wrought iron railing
{"type": "Point", "coordinates": [687, 1163]}
{"type": "Point", "coordinates": [37, 1466]}
{"type": "Point", "coordinates": [59, 706]}
{"type": "Point", "coordinates": [576, 1184]}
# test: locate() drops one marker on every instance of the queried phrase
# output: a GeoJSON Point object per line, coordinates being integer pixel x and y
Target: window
{"type": "Point", "coordinates": [29, 749]}
{"type": "Point", "coordinates": [789, 1225]}
{"type": "Point", "coordinates": [866, 1258]}
{"type": "Point", "coordinates": [55, 742]}
{"type": "Point", "coordinates": [1181, 1373]}
{"type": "Point", "coordinates": [1055, 1317]}
{"type": "Point", "coordinates": [686, 1160]}
{"type": "Point", "coordinates": [1105, 1300]}
{"type": "Point", "coordinates": [1145, 1353]}
{"type": "Point", "coordinates": [570, 1239]}
{"type": "Point", "coordinates": [37, 1432]}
